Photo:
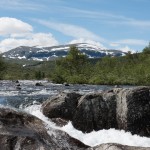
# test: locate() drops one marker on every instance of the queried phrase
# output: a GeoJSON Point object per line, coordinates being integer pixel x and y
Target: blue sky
{"type": "Point", "coordinates": [114, 24]}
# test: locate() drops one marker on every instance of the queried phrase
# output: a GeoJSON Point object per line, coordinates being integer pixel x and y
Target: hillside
{"type": "Point", "coordinates": [51, 53]}
{"type": "Point", "coordinates": [131, 69]}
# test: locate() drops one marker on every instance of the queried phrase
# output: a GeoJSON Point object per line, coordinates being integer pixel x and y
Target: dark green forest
{"type": "Point", "coordinates": [76, 68]}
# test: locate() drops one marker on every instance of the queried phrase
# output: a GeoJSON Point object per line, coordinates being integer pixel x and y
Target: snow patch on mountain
{"type": "Point", "coordinates": [88, 42]}
{"type": "Point", "coordinates": [47, 53]}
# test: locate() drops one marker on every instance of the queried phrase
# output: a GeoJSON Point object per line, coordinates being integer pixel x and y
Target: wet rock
{"type": "Point", "coordinates": [19, 130]}
{"type": "Point", "coordinates": [110, 99]}
{"type": "Point", "coordinates": [39, 84]}
{"type": "Point", "coordinates": [59, 121]}
{"type": "Point", "coordinates": [87, 113]}
{"type": "Point", "coordinates": [18, 84]}
{"type": "Point", "coordinates": [127, 109]}
{"type": "Point", "coordinates": [113, 146]}
{"type": "Point", "coordinates": [18, 88]}
{"type": "Point", "coordinates": [17, 81]}
{"type": "Point", "coordinates": [91, 113]}
{"type": "Point", "coordinates": [9, 142]}
{"type": "Point", "coordinates": [133, 110]}
{"type": "Point", "coordinates": [62, 106]}
{"type": "Point", "coordinates": [66, 84]}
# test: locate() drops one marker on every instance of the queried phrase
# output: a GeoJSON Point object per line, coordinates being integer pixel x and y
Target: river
{"type": "Point", "coordinates": [26, 92]}
{"type": "Point", "coordinates": [28, 97]}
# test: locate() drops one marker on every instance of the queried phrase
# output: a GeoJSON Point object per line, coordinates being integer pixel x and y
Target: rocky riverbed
{"type": "Point", "coordinates": [47, 116]}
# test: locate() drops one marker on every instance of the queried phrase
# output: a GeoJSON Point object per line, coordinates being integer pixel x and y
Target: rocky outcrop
{"type": "Point", "coordinates": [94, 113]}
{"type": "Point", "coordinates": [133, 110]}
{"type": "Point", "coordinates": [110, 100]}
{"type": "Point", "coordinates": [113, 146]}
{"type": "Point", "coordinates": [22, 131]}
{"type": "Point", "coordinates": [19, 130]}
{"type": "Point", "coordinates": [87, 113]}
{"type": "Point", "coordinates": [127, 109]}
{"type": "Point", "coordinates": [91, 113]}
{"type": "Point", "coordinates": [62, 106]}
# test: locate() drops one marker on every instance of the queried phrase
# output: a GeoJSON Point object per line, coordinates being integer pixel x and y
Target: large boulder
{"type": "Point", "coordinates": [114, 146]}
{"type": "Point", "coordinates": [19, 130]}
{"type": "Point", "coordinates": [127, 109]}
{"type": "Point", "coordinates": [62, 106]}
{"type": "Point", "coordinates": [92, 113]}
{"type": "Point", "coordinates": [119, 108]}
{"type": "Point", "coordinates": [133, 110]}
{"type": "Point", "coordinates": [110, 99]}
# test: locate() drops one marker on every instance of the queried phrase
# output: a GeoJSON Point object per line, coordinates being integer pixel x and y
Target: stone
{"type": "Point", "coordinates": [17, 81]}
{"type": "Point", "coordinates": [59, 121]}
{"type": "Point", "coordinates": [19, 130]}
{"type": "Point", "coordinates": [110, 99]}
{"type": "Point", "coordinates": [120, 108]}
{"type": "Point", "coordinates": [62, 106]}
{"type": "Point", "coordinates": [91, 113]}
{"type": "Point", "coordinates": [38, 84]}
{"type": "Point", "coordinates": [133, 110]}
{"type": "Point", "coordinates": [18, 88]}
{"type": "Point", "coordinates": [114, 146]}
{"type": "Point", "coordinates": [66, 84]}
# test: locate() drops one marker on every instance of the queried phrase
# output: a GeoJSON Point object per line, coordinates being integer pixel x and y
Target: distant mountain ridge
{"type": "Point", "coordinates": [49, 53]}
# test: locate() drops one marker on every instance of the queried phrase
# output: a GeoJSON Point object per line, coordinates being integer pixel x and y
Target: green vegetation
{"type": "Point", "coordinates": [132, 69]}
{"type": "Point", "coordinates": [28, 70]}
{"type": "Point", "coordinates": [146, 50]}
{"type": "Point", "coordinates": [2, 67]}
{"type": "Point", "coordinates": [72, 68]}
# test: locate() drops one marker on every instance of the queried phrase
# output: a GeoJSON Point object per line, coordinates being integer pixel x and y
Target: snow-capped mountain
{"type": "Point", "coordinates": [48, 53]}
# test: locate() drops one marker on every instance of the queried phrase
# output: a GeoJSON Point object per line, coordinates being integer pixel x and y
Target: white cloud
{"type": "Point", "coordinates": [40, 39]}
{"type": "Point", "coordinates": [71, 30]}
{"type": "Point", "coordinates": [131, 42]}
{"type": "Point", "coordinates": [107, 17]}
{"type": "Point", "coordinates": [21, 5]}
{"type": "Point", "coordinates": [82, 40]}
{"type": "Point", "coordinates": [10, 26]}
{"type": "Point", "coordinates": [127, 49]}
{"type": "Point", "coordinates": [125, 44]}
{"type": "Point", "coordinates": [18, 33]}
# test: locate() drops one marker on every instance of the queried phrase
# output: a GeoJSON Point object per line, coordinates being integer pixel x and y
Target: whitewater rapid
{"type": "Point", "coordinates": [30, 98]}
{"type": "Point", "coordinates": [94, 138]}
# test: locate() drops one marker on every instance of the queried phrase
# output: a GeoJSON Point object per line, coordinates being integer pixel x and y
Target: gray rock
{"type": "Point", "coordinates": [39, 84]}
{"type": "Point", "coordinates": [110, 99]}
{"type": "Point", "coordinates": [62, 106]}
{"type": "Point", "coordinates": [113, 146]}
{"type": "Point", "coordinates": [133, 110]}
{"type": "Point", "coordinates": [127, 109]}
{"type": "Point", "coordinates": [91, 113]}
{"type": "Point", "coordinates": [59, 121]}
{"type": "Point", "coordinates": [19, 130]}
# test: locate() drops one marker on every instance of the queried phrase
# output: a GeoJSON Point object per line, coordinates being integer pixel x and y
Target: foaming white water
{"type": "Point", "coordinates": [35, 110]}
{"type": "Point", "coordinates": [94, 138]}
{"type": "Point", "coordinates": [107, 136]}
{"type": "Point", "coordinates": [8, 93]}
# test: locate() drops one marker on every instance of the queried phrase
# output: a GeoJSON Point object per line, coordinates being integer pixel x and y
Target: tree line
{"type": "Point", "coordinates": [76, 68]}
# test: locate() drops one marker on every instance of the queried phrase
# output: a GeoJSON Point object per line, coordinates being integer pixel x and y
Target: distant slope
{"type": "Point", "coordinates": [49, 53]}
